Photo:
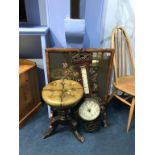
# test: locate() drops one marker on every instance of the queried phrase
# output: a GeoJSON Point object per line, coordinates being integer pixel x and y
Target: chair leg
{"type": "Point", "coordinates": [109, 99]}
{"type": "Point", "coordinates": [131, 113]}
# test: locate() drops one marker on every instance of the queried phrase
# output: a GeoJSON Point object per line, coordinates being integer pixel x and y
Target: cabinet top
{"type": "Point", "coordinates": [25, 65]}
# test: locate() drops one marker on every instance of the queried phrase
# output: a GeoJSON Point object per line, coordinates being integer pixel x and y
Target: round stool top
{"type": "Point", "coordinates": [62, 93]}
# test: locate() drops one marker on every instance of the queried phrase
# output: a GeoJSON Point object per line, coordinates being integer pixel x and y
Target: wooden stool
{"type": "Point", "coordinates": [62, 96]}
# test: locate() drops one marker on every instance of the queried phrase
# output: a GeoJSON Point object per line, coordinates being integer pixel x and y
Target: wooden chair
{"type": "Point", "coordinates": [124, 70]}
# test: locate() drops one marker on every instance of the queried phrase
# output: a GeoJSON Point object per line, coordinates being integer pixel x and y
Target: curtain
{"type": "Point", "coordinates": [117, 13]}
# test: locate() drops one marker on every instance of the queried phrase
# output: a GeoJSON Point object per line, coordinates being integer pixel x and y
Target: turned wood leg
{"type": "Point", "coordinates": [73, 125]}
{"type": "Point", "coordinates": [52, 127]}
{"type": "Point", "coordinates": [131, 113]}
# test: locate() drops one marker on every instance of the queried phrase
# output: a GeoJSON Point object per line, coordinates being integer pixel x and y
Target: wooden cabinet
{"type": "Point", "coordinates": [29, 95]}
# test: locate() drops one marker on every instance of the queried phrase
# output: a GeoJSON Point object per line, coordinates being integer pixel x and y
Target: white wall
{"type": "Point", "coordinates": [117, 13]}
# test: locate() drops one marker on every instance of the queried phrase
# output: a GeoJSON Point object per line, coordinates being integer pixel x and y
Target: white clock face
{"type": "Point", "coordinates": [89, 110]}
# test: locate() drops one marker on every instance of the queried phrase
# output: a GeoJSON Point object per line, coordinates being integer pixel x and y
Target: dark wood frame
{"type": "Point", "coordinates": [93, 50]}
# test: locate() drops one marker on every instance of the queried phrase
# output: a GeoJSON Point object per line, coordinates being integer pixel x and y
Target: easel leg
{"type": "Point", "coordinates": [104, 117]}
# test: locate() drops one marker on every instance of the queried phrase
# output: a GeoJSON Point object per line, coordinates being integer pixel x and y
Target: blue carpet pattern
{"type": "Point", "coordinates": [112, 140]}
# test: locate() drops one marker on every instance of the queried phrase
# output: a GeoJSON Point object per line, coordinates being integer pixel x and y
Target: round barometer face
{"type": "Point", "coordinates": [89, 109]}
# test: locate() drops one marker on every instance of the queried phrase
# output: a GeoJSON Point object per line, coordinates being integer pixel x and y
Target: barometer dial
{"type": "Point", "coordinates": [89, 110]}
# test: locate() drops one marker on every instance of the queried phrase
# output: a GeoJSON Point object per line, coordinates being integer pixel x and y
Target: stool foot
{"type": "Point", "coordinates": [48, 133]}
{"type": "Point", "coordinates": [73, 125]}
{"type": "Point", "coordinates": [52, 128]}
{"type": "Point", "coordinates": [78, 136]}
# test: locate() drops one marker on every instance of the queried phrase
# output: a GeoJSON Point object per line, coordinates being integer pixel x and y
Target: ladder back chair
{"type": "Point", "coordinates": [124, 70]}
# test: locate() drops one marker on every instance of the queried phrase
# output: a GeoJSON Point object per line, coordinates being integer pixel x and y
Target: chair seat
{"type": "Point", "coordinates": [62, 93]}
{"type": "Point", "coordinates": [126, 84]}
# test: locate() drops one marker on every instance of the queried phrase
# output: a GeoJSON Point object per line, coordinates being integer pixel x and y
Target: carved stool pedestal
{"type": "Point", "coordinates": [62, 96]}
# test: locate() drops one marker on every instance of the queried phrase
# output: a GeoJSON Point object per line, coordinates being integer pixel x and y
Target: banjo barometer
{"type": "Point", "coordinates": [90, 110]}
